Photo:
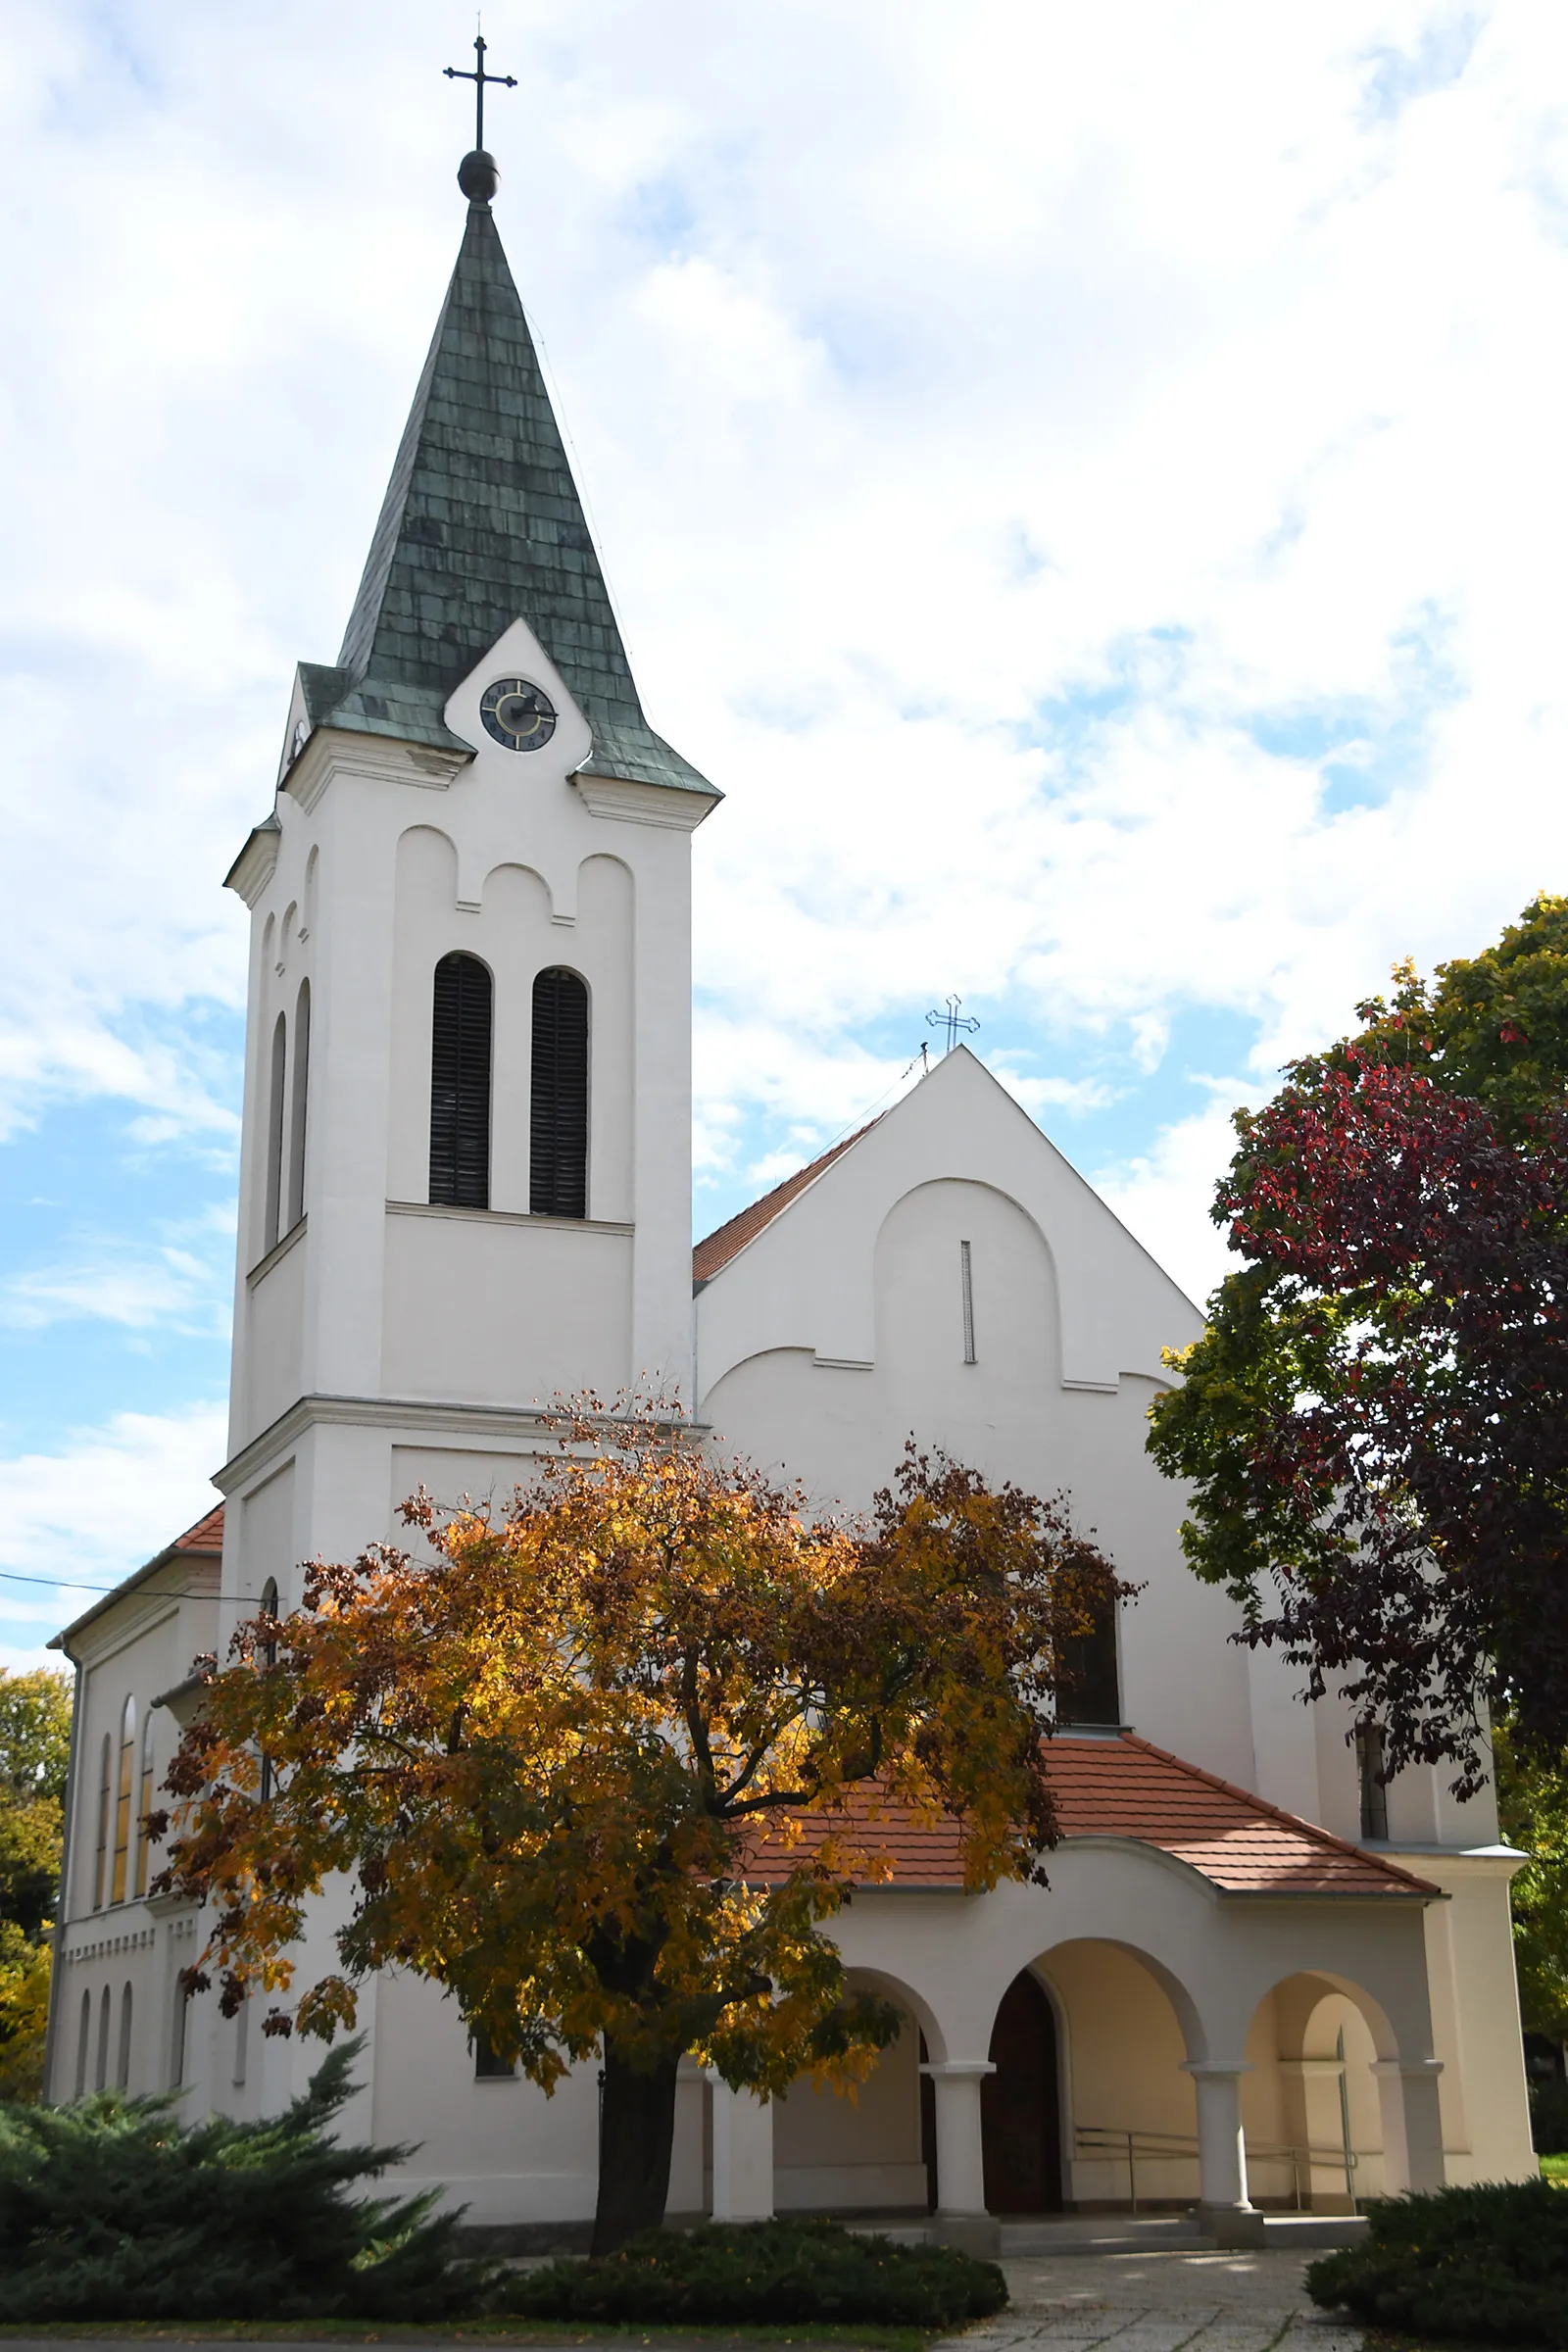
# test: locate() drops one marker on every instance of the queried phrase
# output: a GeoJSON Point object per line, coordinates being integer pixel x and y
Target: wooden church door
{"type": "Point", "coordinates": [1019, 2111]}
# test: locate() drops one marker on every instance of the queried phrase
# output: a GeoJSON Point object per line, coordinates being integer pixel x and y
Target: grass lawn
{"type": "Point", "coordinates": [1555, 2168]}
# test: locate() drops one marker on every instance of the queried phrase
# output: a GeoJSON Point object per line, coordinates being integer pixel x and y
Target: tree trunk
{"type": "Point", "coordinates": [636, 2133]}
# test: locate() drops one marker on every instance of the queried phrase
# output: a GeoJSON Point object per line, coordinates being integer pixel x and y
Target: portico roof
{"type": "Point", "coordinates": [1123, 1786]}
{"type": "Point", "coordinates": [1127, 1787]}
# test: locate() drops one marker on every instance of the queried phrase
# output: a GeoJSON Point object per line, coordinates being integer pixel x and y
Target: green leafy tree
{"type": "Point", "coordinates": [1493, 1026]}
{"type": "Point", "coordinates": [1533, 1810]}
{"type": "Point", "coordinates": [35, 1754]}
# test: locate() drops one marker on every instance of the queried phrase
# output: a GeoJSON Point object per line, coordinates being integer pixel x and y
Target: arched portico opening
{"type": "Point", "coordinates": [869, 2151]}
{"type": "Point", "coordinates": [1127, 2031]}
{"type": "Point", "coordinates": [1325, 2066]}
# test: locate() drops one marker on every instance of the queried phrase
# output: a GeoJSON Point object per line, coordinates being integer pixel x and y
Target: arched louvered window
{"type": "Point", "coordinates": [274, 1136]}
{"type": "Point", "coordinates": [557, 1150]}
{"type": "Point", "coordinates": [459, 1084]}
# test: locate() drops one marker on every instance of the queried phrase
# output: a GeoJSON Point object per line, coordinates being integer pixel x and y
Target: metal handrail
{"type": "Point", "coordinates": [1149, 2146]}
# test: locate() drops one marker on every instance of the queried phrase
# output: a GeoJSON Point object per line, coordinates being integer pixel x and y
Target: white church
{"type": "Point", "coordinates": [1257, 1985]}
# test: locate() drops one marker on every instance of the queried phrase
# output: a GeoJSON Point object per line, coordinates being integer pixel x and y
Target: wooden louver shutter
{"type": "Point", "coordinates": [459, 1084]}
{"type": "Point", "coordinates": [558, 1173]}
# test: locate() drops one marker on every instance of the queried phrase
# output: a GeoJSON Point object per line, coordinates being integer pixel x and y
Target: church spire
{"type": "Point", "coordinates": [483, 526]}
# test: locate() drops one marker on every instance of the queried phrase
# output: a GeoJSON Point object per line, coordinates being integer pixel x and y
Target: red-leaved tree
{"type": "Point", "coordinates": [1375, 1424]}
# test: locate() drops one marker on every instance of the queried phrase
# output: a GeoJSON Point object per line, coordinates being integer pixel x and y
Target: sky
{"type": "Point", "coordinates": [1087, 483]}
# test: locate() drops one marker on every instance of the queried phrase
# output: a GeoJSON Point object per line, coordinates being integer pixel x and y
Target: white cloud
{"type": "Point", "coordinates": [1045, 459]}
{"type": "Point", "coordinates": [107, 1500]}
{"type": "Point", "coordinates": [1163, 1195]}
{"type": "Point", "coordinates": [167, 1286]}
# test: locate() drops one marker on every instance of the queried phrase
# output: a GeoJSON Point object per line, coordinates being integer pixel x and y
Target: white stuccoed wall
{"type": "Point", "coordinates": [838, 1331]}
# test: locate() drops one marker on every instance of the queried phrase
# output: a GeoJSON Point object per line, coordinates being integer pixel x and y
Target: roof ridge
{"type": "Point", "coordinates": [704, 1267]}
{"type": "Point", "coordinates": [1292, 1821]}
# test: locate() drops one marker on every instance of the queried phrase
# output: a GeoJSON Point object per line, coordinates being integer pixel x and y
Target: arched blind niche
{"type": "Point", "coordinates": [459, 1084]}
{"type": "Point", "coordinates": [557, 1131]}
{"type": "Point", "coordinates": [296, 1124]}
{"type": "Point", "coordinates": [274, 1136]}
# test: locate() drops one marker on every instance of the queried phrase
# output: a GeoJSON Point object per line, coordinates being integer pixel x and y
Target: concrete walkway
{"type": "Point", "coordinates": [1161, 2302]}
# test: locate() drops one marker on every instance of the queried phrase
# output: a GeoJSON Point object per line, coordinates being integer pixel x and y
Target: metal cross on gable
{"type": "Point", "coordinates": [479, 78]}
{"type": "Point", "coordinates": [951, 1020]}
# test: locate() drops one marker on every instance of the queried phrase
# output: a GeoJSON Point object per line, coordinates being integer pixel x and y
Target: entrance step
{"type": "Point", "coordinates": [1283, 2231]}
{"type": "Point", "coordinates": [1102, 2234]}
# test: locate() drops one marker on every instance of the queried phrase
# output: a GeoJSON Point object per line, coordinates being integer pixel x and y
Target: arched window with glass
{"type": "Point", "coordinates": [144, 1805]}
{"type": "Point", "coordinates": [122, 1802]}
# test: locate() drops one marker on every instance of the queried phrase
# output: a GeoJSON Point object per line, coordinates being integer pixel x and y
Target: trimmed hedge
{"type": "Point", "coordinates": [1483, 2264]}
{"type": "Point", "coordinates": [738, 2272]}
{"type": "Point", "coordinates": [111, 2209]}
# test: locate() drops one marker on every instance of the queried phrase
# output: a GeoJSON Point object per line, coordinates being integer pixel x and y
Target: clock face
{"type": "Point", "coordinates": [517, 714]}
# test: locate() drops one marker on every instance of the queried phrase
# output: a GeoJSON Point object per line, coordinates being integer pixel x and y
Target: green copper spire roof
{"type": "Point", "coordinates": [483, 526]}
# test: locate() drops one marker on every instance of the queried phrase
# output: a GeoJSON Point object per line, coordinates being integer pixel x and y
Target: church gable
{"type": "Point", "coordinates": [803, 1268]}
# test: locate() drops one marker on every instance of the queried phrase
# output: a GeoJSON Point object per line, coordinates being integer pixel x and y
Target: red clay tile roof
{"type": "Point", "coordinates": [709, 1257]}
{"type": "Point", "coordinates": [206, 1535]}
{"type": "Point", "coordinates": [1125, 1788]}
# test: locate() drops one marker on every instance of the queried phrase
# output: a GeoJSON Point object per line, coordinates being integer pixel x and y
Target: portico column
{"type": "Point", "coordinates": [743, 2154]}
{"type": "Point", "coordinates": [962, 2218]}
{"type": "Point", "coordinates": [1225, 2209]}
{"type": "Point", "coordinates": [1412, 2124]}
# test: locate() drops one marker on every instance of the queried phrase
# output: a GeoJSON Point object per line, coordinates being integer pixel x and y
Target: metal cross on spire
{"type": "Point", "coordinates": [951, 1020]}
{"type": "Point", "coordinates": [479, 78]}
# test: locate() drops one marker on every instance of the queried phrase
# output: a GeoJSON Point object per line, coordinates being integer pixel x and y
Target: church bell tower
{"type": "Point", "coordinates": [466, 1170]}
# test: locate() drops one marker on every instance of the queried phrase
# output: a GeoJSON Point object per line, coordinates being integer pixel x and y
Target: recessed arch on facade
{"type": "Point", "coordinates": [964, 1287]}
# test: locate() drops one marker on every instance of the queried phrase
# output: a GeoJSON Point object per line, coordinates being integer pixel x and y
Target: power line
{"type": "Point", "coordinates": [56, 1584]}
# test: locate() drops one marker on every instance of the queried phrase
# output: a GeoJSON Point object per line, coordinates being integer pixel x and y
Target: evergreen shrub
{"type": "Point", "coordinates": [111, 2209]}
{"type": "Point", "coordinates": [1483, 2264]}
{"type": "Point", "coordinates": [1548, 2118]}
{"type": "Point", "coordinates": [731, 2275]}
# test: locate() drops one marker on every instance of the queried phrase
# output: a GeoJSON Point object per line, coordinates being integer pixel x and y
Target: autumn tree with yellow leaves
{"type": "Point", "coordinates": [544, 1756]}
